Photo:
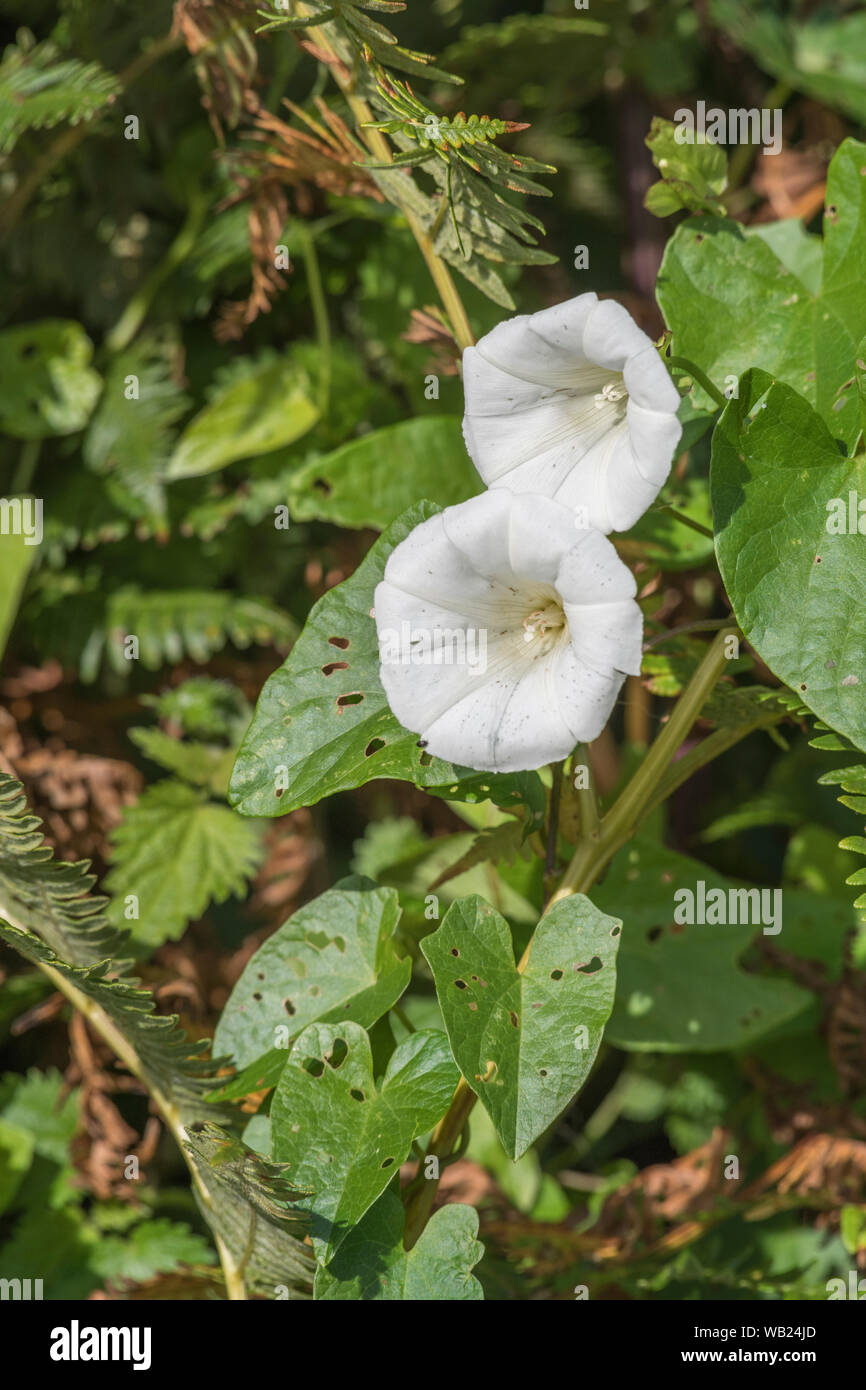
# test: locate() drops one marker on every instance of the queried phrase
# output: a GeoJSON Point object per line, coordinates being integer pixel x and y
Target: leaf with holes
{"type": "Point", "coordinates": [333, 960]}
{"type": "Point", "coordinates": [323, 725]}
{"type": "Point", "coordinates": [773, 297]}
{"type": "Point", "coordinates": [789, 537]}
{"type": "Point", "coordinates": [372, 1266]}
{"type": "Point", "coordinates": [680, 987]}
{"type": "Point", "coordinates": [371, 480]}
{"type": "Point", "coordinates": [343, 1138]}
{"type": "Point", "coordinates": [47, 385]}
{"type": "Point", "coordinates": [525, 1043]}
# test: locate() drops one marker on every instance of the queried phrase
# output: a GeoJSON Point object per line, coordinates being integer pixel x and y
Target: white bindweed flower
{"type": "Point", "coordinates": [555, 606]}
{"type": "Point", "coordinates": [574, 403]}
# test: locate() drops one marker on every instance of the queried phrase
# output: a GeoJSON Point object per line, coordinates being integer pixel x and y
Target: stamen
{"type": "Point", "coordinates": [610, 394]}
{"type": "Point", "coordinates": [542, 621]}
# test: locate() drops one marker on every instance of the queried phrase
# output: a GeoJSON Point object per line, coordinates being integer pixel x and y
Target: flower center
{"type": "Point", "coordinates": [611, 394]}
{"type": "Point", "coordinates": [543, 628]}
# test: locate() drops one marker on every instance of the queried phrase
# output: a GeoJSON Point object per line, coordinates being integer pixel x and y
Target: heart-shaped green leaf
{"type": "Point", "coordinates": [372, 1266]}
{"type": "Point", "coordinates": [343, 1138]}
{"type": "Point", "coordinates": [680, 987]}
{"type": "Point", "coordinates": [371, 480]}
{"type": "Point", "coordinates": [767, 297]}
{"type": "Point", "coordinates": [524, 1043]}
{"type": "Point", "coordinates": [333, 959]}
{"type": "Point", "coordinates": [794, 570]}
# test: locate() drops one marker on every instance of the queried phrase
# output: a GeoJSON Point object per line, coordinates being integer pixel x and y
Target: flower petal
{"type": "Point", "coordinates": [513, 686]}
{"type": "Point", "coordinates": [545, 411]}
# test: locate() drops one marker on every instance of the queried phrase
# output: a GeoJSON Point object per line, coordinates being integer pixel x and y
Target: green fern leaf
{"type": "Point", "coordinates": [49, 917]}
{"type": "Point", "coordinates": [38, 89]}
{"type": "Point", "coordinates": [84, 629]}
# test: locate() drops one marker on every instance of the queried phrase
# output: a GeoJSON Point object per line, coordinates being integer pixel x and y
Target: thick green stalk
{"type": "Point", "coordinates": [597, 846]}
{"type": "Point", "coordinates": [628, 810]}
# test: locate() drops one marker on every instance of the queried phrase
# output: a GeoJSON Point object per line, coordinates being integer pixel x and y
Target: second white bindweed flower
{"type": "Point", "coordinates": [561, 629]}
{"type": "Point", "coordinates": [574, 403]}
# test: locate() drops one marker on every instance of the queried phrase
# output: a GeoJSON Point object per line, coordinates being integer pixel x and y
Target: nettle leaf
{"type": "Point", "coordinates": [202, 764]}
{"type": "Point", "coordinates": [524, 1043]}
{"type": "Point", "coordinates": [790, 555]}
{"type": "Point", "coordinates": [16, 1155]}
{"type": "Point", "coordinates": [175, 852]}
{"type": "Point", "coordinates": [680, 987]}
{"type": "Point", "coordinates": [372, 1266]}
{"type": "Point", "coordinates": [693, 174]}
{"type": "Point", "coordinates": [371, 480]}
{"type": "Point", "coordinates": [737, 298]}
{"type": "Point", "coordinates": [342, 1137]}
{"type": "Point", "coordinates": [323, 725]}
{"type": "Point", "coordinates": [150, 1248]}
{"type": "Point", "coordinates": [47, 385]}
{"type": "Point", "coordinates": [333, 960]}
{"type": "Point", "coordinates": [268, 407]}
{"type": "Point", "coordinates": [38, 1104]}
{"type": "Point", "coordinates": [131, 438]}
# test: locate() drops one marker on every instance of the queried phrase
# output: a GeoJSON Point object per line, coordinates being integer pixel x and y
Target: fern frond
{"type": "Point", "coordinates": [172, 1066]}
{"type": "Point", "coordinates": [353, 31]}
{"type": "Point", "coordinates": [850, 779]}
{"type": "Point", "coordinates": [86, 629]}
{"type": "Point", "coordinates": [471, 173]}
{"type": "Point", "coordinates": [250, 1203]}
{"type": "Point", "coordinates": [49, 917]}
{"type": "Point", "coordinates": [39, 89]}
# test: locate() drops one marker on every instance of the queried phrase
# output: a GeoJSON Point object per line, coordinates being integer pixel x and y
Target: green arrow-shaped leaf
{"type": "Point", "coordinates": [343, 1138]}
{"type": "Point", "coordinates": [680, 987]}
{"type": "Point", "coordinates": [372, 1266]}
{"type": "Point", "coordinates": [371, 480]}
{"type": "Point", "coordinates": [525, 1043]}
{"type": "Point", "coordinates": [267, 408]}
{"type": "Point", "coordinates": [333, 960]}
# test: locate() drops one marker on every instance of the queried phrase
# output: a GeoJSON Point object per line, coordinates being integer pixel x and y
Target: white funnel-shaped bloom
{"type": "Point", "coordinates": [505, 632]}
{"type": "Point", "coordinates": [573, 403]}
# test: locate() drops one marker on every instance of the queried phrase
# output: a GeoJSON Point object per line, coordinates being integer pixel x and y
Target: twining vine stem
{"type": "Point", "coordinates": [599, 842]}
{"type": "Point", "coordinates": [684, 364]}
